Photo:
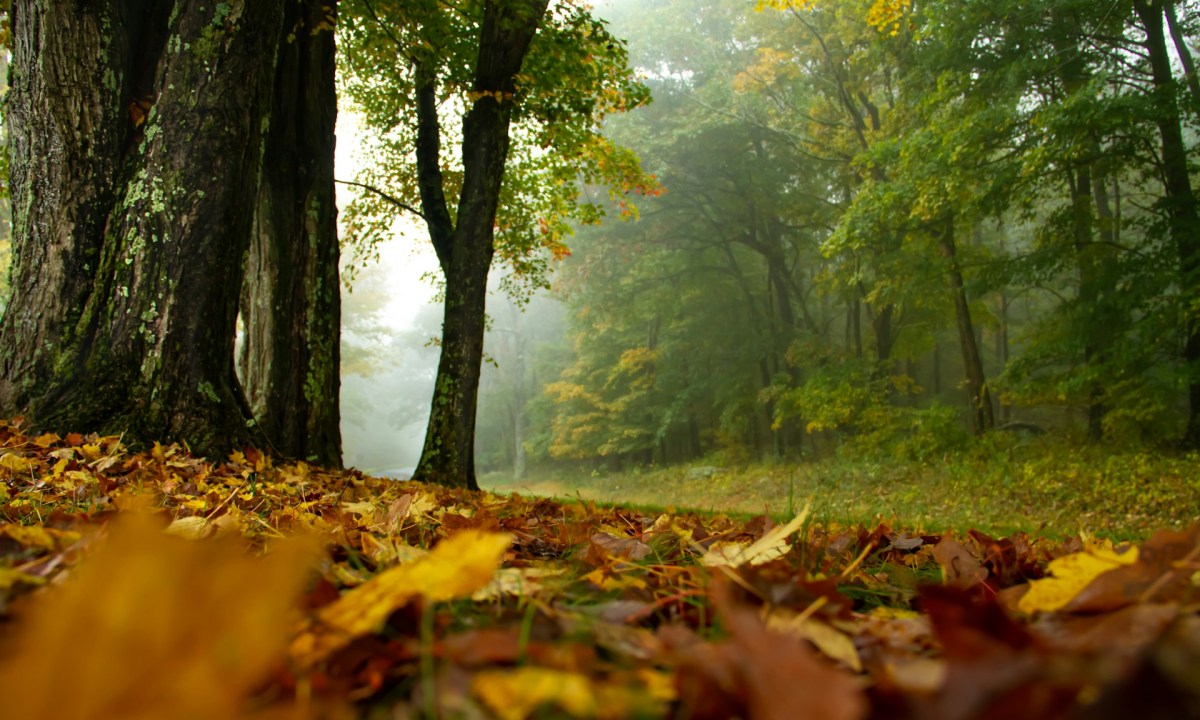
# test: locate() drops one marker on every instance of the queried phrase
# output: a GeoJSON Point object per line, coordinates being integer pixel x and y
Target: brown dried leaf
{"type": "Point", "coordinates": [959, 566]}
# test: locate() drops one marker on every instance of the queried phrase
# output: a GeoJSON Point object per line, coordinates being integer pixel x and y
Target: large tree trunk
{"type": "Point", "coordinates": [132, 218]}
{"type": "Point", "coordinates": [291, 304]}
{"type": "Point", "coordinates": [1180, 202]}
{"type": "Point", "coordinates": [982, 415]}
{"type": "Point", "coordinates": [464, 248]}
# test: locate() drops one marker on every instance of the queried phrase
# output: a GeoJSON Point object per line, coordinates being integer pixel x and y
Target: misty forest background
{"type": "Point", "coordinates": [882, 232]}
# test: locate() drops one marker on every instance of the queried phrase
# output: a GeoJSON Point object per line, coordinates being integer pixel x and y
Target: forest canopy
{"type": "Point", "coordinates": [887, 226]}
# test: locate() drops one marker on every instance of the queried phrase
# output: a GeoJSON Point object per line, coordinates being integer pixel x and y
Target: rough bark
{"type": "Point", "coordinates": [291, 305]}
{"type": "Point", "coordinates": [465, 248]}
{"type": "Point", "coordinates": [1180, 201]}
{"type": "Point", "coordinates": [136, 131]}
{"type": "Point", "coordinates": [982, 414]}
{"type": "Point", "coordinates": [68, 130]}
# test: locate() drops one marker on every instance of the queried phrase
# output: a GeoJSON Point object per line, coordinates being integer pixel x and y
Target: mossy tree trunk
{"type": "Point", "coordinates": [136, 134]}
{"type": "Point", "coordinates": [465, 244]}
{"type": "Point", "coordinates": [291, 304]}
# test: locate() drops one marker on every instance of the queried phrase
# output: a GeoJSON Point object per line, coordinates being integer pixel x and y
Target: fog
{"type": "Point", "coordinates": [391, 322]}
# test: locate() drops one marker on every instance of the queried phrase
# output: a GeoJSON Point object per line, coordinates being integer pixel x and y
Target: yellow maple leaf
{"type": "Point", "coordinates": [458, 566]}
{"type": "Point", "coordinates": [153, 626]}
{"type": "Point", "coordinates": [516, 694]}
{"type": "Point", "coordinates": [1070, 574]}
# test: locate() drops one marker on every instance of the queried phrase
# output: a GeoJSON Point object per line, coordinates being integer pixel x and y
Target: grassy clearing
{"type": "Point", "coordinates": [1028, 486]}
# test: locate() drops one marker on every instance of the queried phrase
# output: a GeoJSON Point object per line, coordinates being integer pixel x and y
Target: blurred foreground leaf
{"type": "Point", "coordinates": [153, 626]}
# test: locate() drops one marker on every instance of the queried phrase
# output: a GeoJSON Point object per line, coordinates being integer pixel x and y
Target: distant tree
{"type": "Point", "coordinates": [136, 129]}
{"type": "Point", "coordinates": [1179, 201]}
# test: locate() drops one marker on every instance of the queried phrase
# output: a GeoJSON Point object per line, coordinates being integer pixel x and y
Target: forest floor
{"type": "Point", "coordinates": [154, 584]}
{"type": "Point", "coordinates": [1039, 488]}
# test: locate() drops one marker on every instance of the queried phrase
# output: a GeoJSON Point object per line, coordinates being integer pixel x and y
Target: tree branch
{"type": "Point", "coordinates": [376, 191]}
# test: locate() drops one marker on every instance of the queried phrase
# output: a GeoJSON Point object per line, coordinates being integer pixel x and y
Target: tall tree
{"type": "Point", "coordinates": [291, 300]}
{"type": "Point", "coordinates": [136, 128]}
{"type": "Point", "coordinates": [555, 73]}
{"type": "Point", "coordinates": [1179, 201]}
{"type": "Point", "coordinates": [465, 243]}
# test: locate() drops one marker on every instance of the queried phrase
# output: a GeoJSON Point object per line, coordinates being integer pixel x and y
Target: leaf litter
{"type": "Point", "coordinates": [157, 584]}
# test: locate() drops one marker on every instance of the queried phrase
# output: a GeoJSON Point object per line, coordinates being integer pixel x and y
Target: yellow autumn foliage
{"type": "Point", "coordinates": [883, 15]}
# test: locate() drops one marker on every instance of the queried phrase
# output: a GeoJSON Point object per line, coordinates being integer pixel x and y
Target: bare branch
{"type": "Point", "coordinates": [376, 191]}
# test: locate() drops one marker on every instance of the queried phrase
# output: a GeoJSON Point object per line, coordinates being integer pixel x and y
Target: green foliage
{"type": "Point", "coordinates": [856, 399]}
{"type": "Point", "coordinates": [910, 434]}
{"type": "Point", "coordinates": [814, 159]}
{"type": "Point", "coordinates": [575, 74]}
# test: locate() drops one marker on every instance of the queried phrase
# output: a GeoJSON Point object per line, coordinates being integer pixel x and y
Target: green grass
{"type": "Point", "coordinates": [1045, 489]}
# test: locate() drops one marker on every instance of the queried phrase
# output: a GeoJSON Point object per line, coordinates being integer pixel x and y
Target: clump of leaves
{"type": "Point", "coordinates": [156, 584]}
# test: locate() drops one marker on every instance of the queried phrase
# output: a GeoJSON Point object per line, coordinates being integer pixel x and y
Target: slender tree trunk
{"type": "Point", "coordinates": [1092, 260]}
{"type": "Point", "coordinates": [465, 248]}
{"type": "Point", "coordinates": [1002, 349]}
{"type": "Point", "coordinates": [1180, 201]}
{"type": "Point", "coordinates": [937, 368]}
{"type": "Point", "coordinates": [761, 425]}
{"type": "Point", "coordinates": [136, 131]}
{"type": "Point", "coordinates": [291, 300]}
{"type": "Point", "coordinates": [1088, 264]}
{"type": "Point", "coordinates": [1185, 56]}
{"type": "Point", "coordinates": [854, 325]}
{"type": "Point", "coordinates": [982, 417]}
{"type": "Point", "coordinates": [881, 323]}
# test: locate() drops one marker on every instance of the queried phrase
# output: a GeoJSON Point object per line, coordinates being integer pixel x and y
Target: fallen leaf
{"type": "Point", "coordinates": [516, 694]}
{"type": "Point", "coordinates": [458, 566]}
{"type": "Point", "coordinates": [523, 582]}
{"type": "Point", "coordinates": [1070, 574]}
{"type": "Point", "coordinates": [37, 536]}
{"type": "Point", "coordinates": [770, 546]}
{"type": "Point", "coordinates": [16, 464]}
{"type": "Point", "coordinates": [959, 566]}
{"type": "Point", "coordinates": [833, 643]}
{"type": "Point", "coordinates": [153, 627]}
{"type": "Point", "coordinates": [1162, 572]}
{"type": "Point", "coordinates": [603, 546]}
{"type": "Point", "coordinates": [191, 528]}
{"type": "Point", "coordinates": [769, 675]}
